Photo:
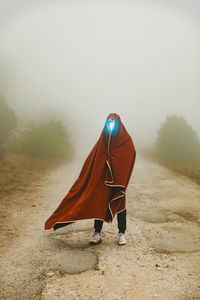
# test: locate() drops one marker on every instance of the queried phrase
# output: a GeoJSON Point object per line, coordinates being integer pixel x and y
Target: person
{"type": "Point", "coordinates": [121, 220]}
{"type": "Point", "coordinates": [99, 192]}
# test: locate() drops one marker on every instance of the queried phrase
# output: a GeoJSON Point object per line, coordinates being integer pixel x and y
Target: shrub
{"type": "Point", "coordinates": [8, 122]}
{"type": "Point", "coordinates": [177, 141]}
{"type": "Point", "coordinates": [8, 119]}
{"type": "Point", "coordinates": [47, 140]}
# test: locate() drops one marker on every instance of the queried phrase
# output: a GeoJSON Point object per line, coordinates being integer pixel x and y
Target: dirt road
{"type": "Point", "coordinates": [160, 261]}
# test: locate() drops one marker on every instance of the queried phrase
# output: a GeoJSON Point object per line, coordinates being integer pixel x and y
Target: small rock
{"type": "Point", "coordinates": [49, 274]}
{"type": "Point", "coordinates": [157, 266]}
{"type": "Point", "coordinates": [126, 283]}
{"type": "Point", "coordinates": [172, 258]}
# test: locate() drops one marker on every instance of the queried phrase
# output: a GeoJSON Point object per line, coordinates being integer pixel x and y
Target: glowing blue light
{"type": "Point", "coordinates": [111, 124]}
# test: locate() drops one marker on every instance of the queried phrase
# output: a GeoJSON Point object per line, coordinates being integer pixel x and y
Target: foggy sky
{"type": "Point", "coordinates": [81, 60]}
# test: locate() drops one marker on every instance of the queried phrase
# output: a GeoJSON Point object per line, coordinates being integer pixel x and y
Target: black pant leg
{"type": "Point", "coordinates": [121, 220]}
{"type": "Point", "coordinates": [98, 224]}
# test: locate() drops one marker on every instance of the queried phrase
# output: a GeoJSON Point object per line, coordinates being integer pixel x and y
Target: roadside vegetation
{"type": "Point", "coordinates": [29, 150]}
{"type": "Point", "coordinates": [178, 147]}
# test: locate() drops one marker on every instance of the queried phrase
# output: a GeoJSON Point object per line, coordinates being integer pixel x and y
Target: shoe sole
{"type": "Point", "coordinates": [121, 244]}
{"type": "Point", "coordinates": [94, 243]}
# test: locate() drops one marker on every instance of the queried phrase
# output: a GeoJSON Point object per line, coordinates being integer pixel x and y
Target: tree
{"type": "Point", "coordinates": [177, 141]}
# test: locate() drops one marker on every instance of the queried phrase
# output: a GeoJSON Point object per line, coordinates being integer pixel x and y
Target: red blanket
{"type": "Point", "coordinates": [99, 191]}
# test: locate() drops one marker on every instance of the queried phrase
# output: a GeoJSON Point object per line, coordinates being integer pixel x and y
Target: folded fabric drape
{"type": "Point", "coordinates": [100, 190]}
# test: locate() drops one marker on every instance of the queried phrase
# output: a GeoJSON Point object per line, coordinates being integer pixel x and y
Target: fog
{"type": "Point", "coordinates": [81, 60]}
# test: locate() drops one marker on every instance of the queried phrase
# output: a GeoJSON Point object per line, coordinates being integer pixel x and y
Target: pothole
{"type": "Point", "coordinates": [80, 245]}
{"type": "Point", "coordinates": [176, 238]}
{"type": "Point", "coordinates": [76, 239]}
{"type": "Point", "coordinates": [66, 260]}
{"type": "Point", "coordinates": [188, 216]}
{"type": "Point", "coordinates": [73, 262]}
{"type": "Point", "coordinates": [70, 254]}
{"type": "Point", "coordinates": [151, 215]}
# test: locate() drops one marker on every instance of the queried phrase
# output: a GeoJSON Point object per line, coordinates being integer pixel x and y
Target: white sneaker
{"type": "Point", "coordinates": [96, 238]}
{"type": "Point", "coordinates": [122, 239]}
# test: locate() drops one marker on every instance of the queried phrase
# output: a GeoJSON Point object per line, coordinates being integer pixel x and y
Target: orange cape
{"type": "Point", "coordinates": [99, 191]}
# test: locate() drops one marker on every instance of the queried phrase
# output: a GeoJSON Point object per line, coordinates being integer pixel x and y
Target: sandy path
{"type": "Point", "coordinates": [26, 259]}
{"type": "Point", "coordinates": [160, 261]}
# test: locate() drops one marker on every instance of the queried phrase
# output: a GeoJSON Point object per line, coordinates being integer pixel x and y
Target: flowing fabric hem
{"type": "Point", "coordinates": [73, 221]}
{"type": "Point", "coordinates": [110, 184]}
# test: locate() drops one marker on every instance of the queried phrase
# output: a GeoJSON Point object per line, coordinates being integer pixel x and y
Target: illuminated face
{"type": "Point", "coordinates": [111, 124]}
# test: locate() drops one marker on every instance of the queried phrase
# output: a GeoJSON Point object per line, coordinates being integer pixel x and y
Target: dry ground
{"type": "Point", "coordinates": [160, 261]}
